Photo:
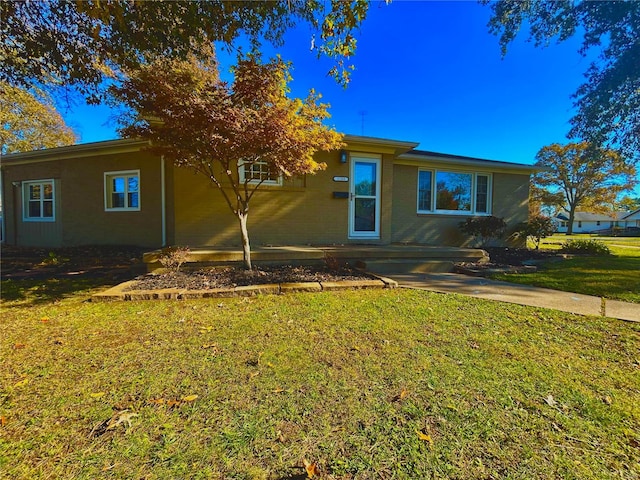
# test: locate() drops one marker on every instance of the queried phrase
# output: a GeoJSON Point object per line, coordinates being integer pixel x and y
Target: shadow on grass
{"type": "Point", "coordinates": [49, 290]}
{"type": "Point", "coordinates": [613, 277]}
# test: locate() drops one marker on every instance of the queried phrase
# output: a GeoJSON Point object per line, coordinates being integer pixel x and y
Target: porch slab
{"type": "Point", "coordinates": [303, 254]}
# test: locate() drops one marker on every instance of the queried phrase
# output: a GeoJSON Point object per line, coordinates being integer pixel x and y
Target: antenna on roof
{"type": "Point", "coordinates": [362, 113]}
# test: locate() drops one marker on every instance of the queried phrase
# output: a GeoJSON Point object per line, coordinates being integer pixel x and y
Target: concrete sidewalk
{"type": "Point", "coordinates": [521, 294]}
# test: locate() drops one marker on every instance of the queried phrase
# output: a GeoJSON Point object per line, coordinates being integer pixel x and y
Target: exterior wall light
{"type": "Point", "coordinates": [344, 156]}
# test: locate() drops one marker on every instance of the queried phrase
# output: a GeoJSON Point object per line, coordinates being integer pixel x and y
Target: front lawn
{"type": "Point", "coordinates": [363, 384]}
{"type": "Point", "coordinates": [615, 277]}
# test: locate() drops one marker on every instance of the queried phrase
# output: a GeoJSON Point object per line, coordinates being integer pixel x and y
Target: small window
{"type": "Point", "coordinates": [424, 190]}
{"type": "Point", "coordinates": [122, 191]}
{"type": "Point", "coordinates": [598, 223]}
{"type": "Point", "coordinates": [482, 194]}
{"type": "Point", "coordinates": [259, 172]}
{"type": "Point", "coordinates": [39, 201]}
{"type": "Point", "coordinates": [579, 224]}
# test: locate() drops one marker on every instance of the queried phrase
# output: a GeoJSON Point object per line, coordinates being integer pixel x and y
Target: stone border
{"type": "Point", "coordinates": [120, 293]}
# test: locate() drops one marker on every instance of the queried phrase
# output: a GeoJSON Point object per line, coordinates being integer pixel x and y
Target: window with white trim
{"type": "Point", "coordinates": [259, 171]}
{"type": "Point", "coordinates": [452, 192]}
{"type": "Point", "coordinates": [38, 201]}
{"type": "Point", "coordinates": [122, 191]}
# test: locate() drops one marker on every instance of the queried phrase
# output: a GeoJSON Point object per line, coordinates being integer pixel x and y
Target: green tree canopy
{"type": "Point", "coordinates": [30, 123]}
{"type": "Point", "coordinates": [582, 175]}
{"type": "Point", "coordinates": [608, 103]}
{"type": "Point", "coordinates": [226, 132]}
{"type": "Point", "coordinates": [81, 43]}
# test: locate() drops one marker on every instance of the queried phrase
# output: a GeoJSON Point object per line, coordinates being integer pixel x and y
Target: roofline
{"type": "Point", "coordinates": [631, 213]}
{"type": "Point", "coordinates": [400, 146]}
{"type": "Point", "coordinates": [123, 145]}
{"type": "Point", "coordinates": [130, 145]}
{"type": "Point", "coordinates": [449, 159]}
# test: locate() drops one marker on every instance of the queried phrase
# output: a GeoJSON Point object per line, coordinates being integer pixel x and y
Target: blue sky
{"type": "Point", "coordinates": [429, 72]}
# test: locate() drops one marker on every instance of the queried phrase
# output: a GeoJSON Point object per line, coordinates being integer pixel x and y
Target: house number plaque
{"type": "Point", "coordinates": [340, 179]}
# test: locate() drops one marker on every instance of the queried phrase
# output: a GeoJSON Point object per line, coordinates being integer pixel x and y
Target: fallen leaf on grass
{"type": "Point", "coordinates": [3, 421]}
{"type": "Point", "coordinates": [189, 398]}
{"type": "Point", "coordinates": [18, 346]}
{"type": "Point", "coordinates": [21, 383]}
{"type": "Point", "coordinates": [173, 403]}
{"type": "Point", "coordinates": [311, 468]}
{"type": "Point", "coordinates": [109, 467]}
{"type": "Point", "coordinates": [277, 390]}
{"type": "Point", "coordinates": [121, 418]}
{"type": "Point", "coordinates": [425, 437]}
{"type": "Point", "coordinates": [44, 319]}
{"type": "Point", "coordinates": [549, 400]}
{"type": "Point", "coordinates": [97, 395]}
{"type": "Point", "coordinates": [401, 396]}
{"type": "Point", "coordinates": [157, 401]}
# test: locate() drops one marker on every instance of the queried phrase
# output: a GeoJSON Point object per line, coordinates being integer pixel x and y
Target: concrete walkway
{"type": "Point", "coordinates": [521, 294]}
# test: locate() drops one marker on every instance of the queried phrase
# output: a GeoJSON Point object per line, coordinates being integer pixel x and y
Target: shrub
{"type": "Point", "coordinates": [172, 258]}
{"type": "Point", "coordinates": [537, 228]}
{"type": "Point", "coordinates": [332, 263]}
{"type": "Point", "coordinates": [591, 247]}
{"type": "Point", "coordinates": [483, 228]}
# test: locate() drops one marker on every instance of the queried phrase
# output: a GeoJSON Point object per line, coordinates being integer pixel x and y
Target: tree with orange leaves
{"type": "Point", "coordinates": [236, 135]}
{"type": "Point", "coordinates": [583, 175]}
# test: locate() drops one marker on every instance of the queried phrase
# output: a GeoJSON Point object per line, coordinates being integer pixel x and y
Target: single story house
{"type": "Point", "coordinates": [588, 222]}
{"type": "Point", "coordinates": [375, 191]}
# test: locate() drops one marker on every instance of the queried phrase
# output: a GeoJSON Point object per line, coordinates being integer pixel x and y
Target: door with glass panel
{"type": "Point", "coordinates": [364, 203]}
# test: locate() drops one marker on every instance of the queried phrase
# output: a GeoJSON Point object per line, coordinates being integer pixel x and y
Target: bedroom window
{"type": "Point", "coordinates": [256, 172]}
{"type": "Point", "coordinates": [450, 192]}
{"type": "Point", "coordinates": [122, 191]}
{"type": "Point", "coordinates": [38, 197]}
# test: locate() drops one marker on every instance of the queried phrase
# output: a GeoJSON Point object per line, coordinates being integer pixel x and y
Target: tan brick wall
{"type": "Point", "coordinates": [510, 194]}
{"type": "Point", "coordinates": [302, 211]}
{"type": "Point", "coordinates": [511, 201]}
{"type": "Point", "coordinates": [81, 218]}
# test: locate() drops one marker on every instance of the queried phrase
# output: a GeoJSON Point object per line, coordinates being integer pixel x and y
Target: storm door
{"type": "Point", "coordinates": [364, 203]}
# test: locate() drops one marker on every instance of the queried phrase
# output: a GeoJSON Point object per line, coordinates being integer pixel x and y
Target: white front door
{"type": "Point", "coordinates": [364, 198]}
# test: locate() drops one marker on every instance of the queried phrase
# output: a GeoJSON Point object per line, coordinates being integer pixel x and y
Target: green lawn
{"type": "Point", "coordinates": [370, 384]}
{"type": "Point", "coordinates": [615, 277]}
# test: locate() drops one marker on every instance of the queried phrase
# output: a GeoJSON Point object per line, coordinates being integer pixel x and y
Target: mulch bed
{"type": "Point", "coordinates": [227, 277]}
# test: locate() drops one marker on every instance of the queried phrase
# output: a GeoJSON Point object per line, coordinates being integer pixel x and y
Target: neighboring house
{"type": "Point", "coordinates": [375, 191]}
{"type": "Point", "coordinates": [587, 222]}
{"type": "Point", "coordinates": [632, 219]}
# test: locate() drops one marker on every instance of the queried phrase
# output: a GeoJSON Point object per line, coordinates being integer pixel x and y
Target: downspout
{"type": "Point", "coordinates": [163, 201]}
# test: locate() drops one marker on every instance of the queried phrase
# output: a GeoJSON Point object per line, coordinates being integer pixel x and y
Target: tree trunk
{"type": "Point", "coordinates": [246, 248]}
{"type": "Point", "coordinates": [572, 215]}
